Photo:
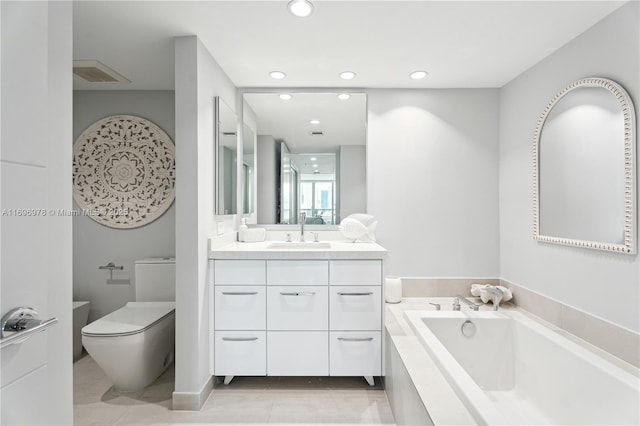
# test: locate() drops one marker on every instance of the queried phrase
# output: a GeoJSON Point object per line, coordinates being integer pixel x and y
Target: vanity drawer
{"type": "Point", "coordinates": [355, 308]}
{"type": "Point", "coordinates": [355, 272]}
{"type": "Point", "coordinates": [240, 307]}
{"type": "Point", "coordinates": [239, 272]}
{"type": "Point", "coordinates": [297, 272]}
{"type": "Point", "coordinates": [240, 353]}
{"type": "Point", "coordinates": [297, 353]}
{"type": "Point", "coordinates": [355, 353]}
{"type": "Point", "coordinates": [297, 308]}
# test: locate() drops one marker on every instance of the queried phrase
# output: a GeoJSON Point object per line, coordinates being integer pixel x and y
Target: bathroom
{"type": "Point", "coordinates": [449, 163]}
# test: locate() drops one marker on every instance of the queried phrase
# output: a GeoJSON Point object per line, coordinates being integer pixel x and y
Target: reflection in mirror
{"type": "Point", "coordinates": [310, 157]}
{"type": "Point", "coordinates": [226, 159]}
{"type": "Point", "coordinates": [248, 169]}
{"type": "Point", "coordinates": [585, 164]}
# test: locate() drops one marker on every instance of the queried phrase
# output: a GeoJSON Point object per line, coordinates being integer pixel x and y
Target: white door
{"type": "Point", "coordinates": [35, 178]}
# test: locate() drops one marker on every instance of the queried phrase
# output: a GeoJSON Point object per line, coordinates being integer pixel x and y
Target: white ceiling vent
{"type": "Point", "coordinates": [96, 72]}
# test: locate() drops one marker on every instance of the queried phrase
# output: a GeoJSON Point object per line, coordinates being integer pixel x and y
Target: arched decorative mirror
{"type": "Point", "coordinates": [584, 168]}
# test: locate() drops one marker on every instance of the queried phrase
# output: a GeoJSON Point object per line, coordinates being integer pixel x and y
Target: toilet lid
{"type": "Point", "coordinates": [133, 318]}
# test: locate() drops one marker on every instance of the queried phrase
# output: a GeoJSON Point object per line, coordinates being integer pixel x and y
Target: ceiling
{"type": "Point", "coordinates": [462, 44]}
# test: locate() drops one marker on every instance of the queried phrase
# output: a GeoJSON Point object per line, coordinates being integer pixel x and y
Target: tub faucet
{"type": "Point", "coordinates": [470, 304]}
{"type": "Point", "coordinates": [303, 218]}
{"type": "Point", "coordinates": [496, 295]}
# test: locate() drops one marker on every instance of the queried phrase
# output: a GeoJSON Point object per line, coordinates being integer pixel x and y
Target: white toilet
{"type": "Point", "coordinates": [135, 344]}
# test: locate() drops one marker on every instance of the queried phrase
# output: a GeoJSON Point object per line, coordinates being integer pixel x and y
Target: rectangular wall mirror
{"type": "Point", "coordinates": [310, 156]}
{"type": "Point", "coordinates": [226, 148]}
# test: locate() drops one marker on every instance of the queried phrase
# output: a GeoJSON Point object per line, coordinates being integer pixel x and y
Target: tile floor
{"type": "Point", "coordinates": [246, 401]}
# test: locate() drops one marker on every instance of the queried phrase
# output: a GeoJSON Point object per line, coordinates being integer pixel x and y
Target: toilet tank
{"type": "Point", "coordinates": [155, 279]}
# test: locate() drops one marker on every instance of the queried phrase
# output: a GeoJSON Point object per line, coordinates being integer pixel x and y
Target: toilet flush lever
{"type": "Point", "coordinates": [19, 324]}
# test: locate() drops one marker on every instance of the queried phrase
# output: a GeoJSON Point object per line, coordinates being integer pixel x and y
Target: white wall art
{"type": "Point", "coordinates": [123, 171]}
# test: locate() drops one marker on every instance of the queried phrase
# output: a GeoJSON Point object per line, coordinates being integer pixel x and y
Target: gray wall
{"type": "Point", "coordinates": [267, 157]}
{"type": "Point", "coordinates": [95, 244]}
{"type": "Point", "coordinates": [603, 284]}
{"type": "Point", "coordinates": [352, 181]}
{"type": "Point", "coordinates": [432, 180]}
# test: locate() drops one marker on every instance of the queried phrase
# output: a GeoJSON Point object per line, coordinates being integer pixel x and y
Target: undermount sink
{"type": "Point", "coordinates": [300, 246]}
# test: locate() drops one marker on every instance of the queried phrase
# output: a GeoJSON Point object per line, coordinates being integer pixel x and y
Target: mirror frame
{"type": "Point", "coordinates": [241, 91]}
{"type": "Point", "coordinates": [629, 244]}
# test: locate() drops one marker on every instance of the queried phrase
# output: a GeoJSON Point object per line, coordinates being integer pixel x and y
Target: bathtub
{"type": "Point", "coordinates": [514, 370]}
{"type": "Point", "coordinates": [80, 317]}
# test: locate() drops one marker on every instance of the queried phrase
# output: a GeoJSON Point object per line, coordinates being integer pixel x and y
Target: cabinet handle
{"type": "Point", "coordinates": [239, 293]}
{"type": "Point", "coordinates": [303, 293]}
{"type": "Point", "coordinates": [369, 293]}
{"type": "Point", "coordinates": [239, 339]}
{"type": "Point", "coordinates": [355, 339]}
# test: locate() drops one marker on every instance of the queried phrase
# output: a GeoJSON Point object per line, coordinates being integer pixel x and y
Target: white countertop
{"type": "Point", "coordinates": [261, 250]}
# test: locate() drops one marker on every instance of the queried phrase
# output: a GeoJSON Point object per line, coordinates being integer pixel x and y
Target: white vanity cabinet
{"type": "Point", "coordinates": [288, 316]}
{"type": "Point", "coordinates": [239, 300]}
{"type": "Point", "coordinates": [355, 319]}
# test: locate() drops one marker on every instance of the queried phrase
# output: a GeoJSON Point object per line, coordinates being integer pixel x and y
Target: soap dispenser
{"type": "Point", "coordinates": [243, 227]}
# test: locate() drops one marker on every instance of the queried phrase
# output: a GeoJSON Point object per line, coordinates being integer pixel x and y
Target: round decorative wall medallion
{"type": "Point", "coordinates": [123, 171]}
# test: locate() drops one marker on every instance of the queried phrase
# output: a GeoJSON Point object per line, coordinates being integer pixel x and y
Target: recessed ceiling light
{"type": "Point", "coordinates": [315, 122]}
{"type": "Point", "coordinates": [277, 75]}
{"type": "Point", "coordinates": [300, 8]}
{"type": "Point", "coordinates": [418, 75]}
{"type": "Point", "coordinates": [315, 166]}
{"type": "Point", "coordinates": [347, 75]}
{"type": "Point", "coordinates": [313, 158]}
{"type": "Point", "coordinates": [344, 96]}
{"type": "Point", "coordinates": [285, 96]}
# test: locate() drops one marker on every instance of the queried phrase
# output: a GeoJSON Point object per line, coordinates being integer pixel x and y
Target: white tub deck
{"type": "Point", "coordinates": [514, 370]}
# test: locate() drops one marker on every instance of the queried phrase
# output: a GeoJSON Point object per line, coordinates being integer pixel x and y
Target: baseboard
{"type": "Point", "coordinates": [192, 401]}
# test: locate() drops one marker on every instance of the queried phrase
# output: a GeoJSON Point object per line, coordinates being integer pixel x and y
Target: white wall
{"type": "Point", "coordinates": [36, 117]}
{"type": "Point", "coordinates": [432, 180]}
{"type": "Point", "coordinates": [198, 80]}
{"type": "Point", "coordinates": [352, 180]}
{"type": "Point", "coordinates": [95, 244]}
{"type": "Point", "coordinates": [603, 284]}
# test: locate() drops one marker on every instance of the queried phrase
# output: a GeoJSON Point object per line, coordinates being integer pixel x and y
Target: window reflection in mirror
{"type": "Point", "coordinates": [310, 157]}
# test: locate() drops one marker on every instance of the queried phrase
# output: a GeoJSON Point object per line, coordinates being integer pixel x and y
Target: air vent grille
{"type": "Point", "coordinates": [96, 72]}
{"type": "Point", "coordinates": [316, 133]}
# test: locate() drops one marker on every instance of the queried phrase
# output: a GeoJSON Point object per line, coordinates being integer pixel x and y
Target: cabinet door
{"type": "Point", "coordinates": [239, 272]}
{"type": "Point", "coordinates": [297, 272]}
{"type": "Point", "coordinates": [297, 308]}
{"type": "Point", "coordinates": [355, 272]}
{"type": "Point", "coordinates": [355, 308]}
{"type": "Point", "coordinates": [240, 353]}
{"type": "Point", "coordinates": [297, 353]}
{"type": "Point", "coordinates": [355, 353]}
{"type": "Point", "coordinates": [240, 307]}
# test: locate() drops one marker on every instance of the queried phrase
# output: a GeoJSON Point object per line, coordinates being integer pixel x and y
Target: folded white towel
{"type": "Point", "coordinates": [480, 290]}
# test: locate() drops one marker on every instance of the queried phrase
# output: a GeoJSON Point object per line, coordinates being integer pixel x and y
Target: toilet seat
{"type": "Point", "coordinates": [133, 318]}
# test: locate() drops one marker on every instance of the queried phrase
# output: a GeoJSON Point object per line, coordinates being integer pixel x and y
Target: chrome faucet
{"type": "Point", "coordinates": [303, 218]}
{"type": "Point", "coordinates": [470, 304]}
{"type": "Point", "coordinates": [496, 295]}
